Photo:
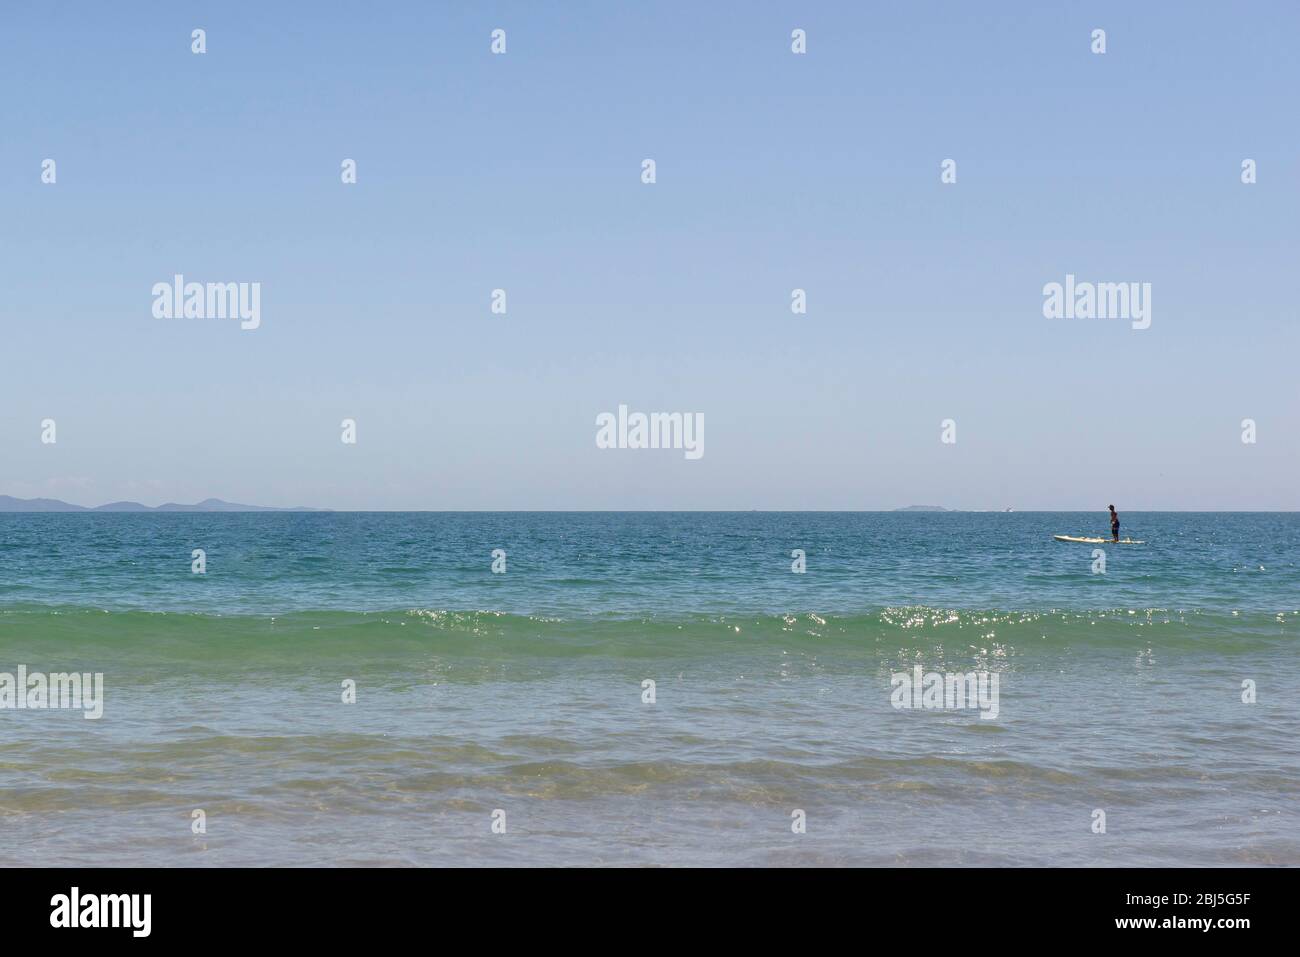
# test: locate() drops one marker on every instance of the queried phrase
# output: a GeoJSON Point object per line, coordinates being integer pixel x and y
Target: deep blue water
{"type": "Point", "coordinates": [622, 564]}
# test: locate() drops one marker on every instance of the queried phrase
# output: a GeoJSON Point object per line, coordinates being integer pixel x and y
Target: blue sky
{"type": "Point", "coordinates": [775, 172]}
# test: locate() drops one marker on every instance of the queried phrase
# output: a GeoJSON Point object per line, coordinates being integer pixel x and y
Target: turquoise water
{"type": "Point", "coordinates": [523, 691]}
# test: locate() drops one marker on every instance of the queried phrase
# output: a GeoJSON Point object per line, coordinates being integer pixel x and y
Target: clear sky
{"type": "Point", "coordinates": [775, 171]}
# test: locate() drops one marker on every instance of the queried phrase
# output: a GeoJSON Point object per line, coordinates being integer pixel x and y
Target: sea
{"type": "Point", "coordinates": [650, 689]}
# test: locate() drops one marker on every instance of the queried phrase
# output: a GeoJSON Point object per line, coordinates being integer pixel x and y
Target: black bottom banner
{"type": "Point", "coordinates": [1224, 907]}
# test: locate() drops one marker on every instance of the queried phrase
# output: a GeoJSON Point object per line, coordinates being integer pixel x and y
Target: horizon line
{"type": "Point", "coordinates": [181, 508]}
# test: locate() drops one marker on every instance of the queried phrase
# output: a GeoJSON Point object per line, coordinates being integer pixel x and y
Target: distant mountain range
{"type": "Point", "coordinates": [10, 504]}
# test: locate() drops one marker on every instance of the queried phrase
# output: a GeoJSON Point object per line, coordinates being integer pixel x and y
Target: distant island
{"type": "Point", "coordinates": [923, 508]}
{"type": "Point", "coordinates": [10, 504]}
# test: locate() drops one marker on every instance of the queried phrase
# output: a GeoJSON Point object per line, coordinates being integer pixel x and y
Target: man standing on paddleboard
{"type": "Point", "coordinates": [1114, 524]}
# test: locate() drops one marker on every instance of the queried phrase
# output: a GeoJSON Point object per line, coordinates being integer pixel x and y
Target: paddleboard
{"type": "Point", "coordinates": [1096, 541]}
